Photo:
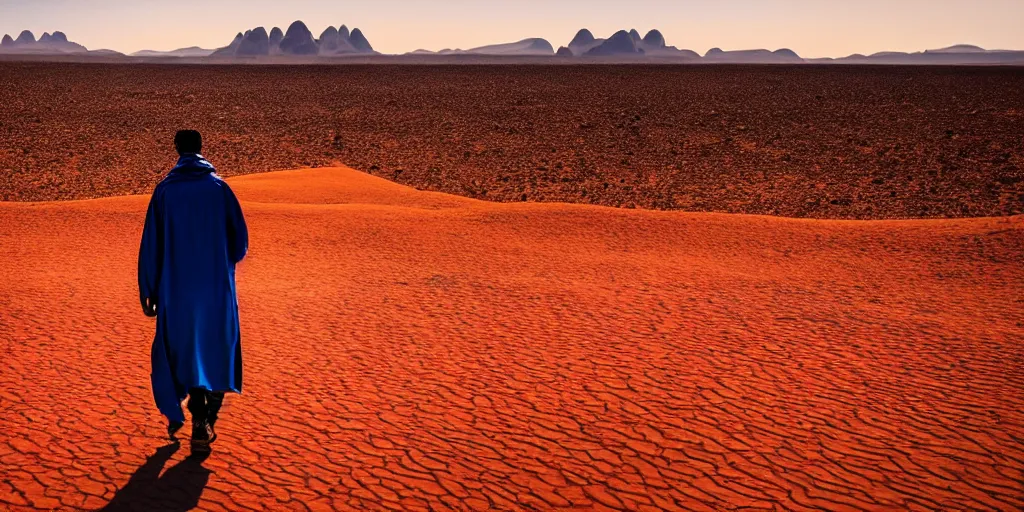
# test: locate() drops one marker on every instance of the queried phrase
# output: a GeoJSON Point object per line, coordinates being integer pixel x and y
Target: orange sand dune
{"type": "Point", "coordinates": [411, 350]}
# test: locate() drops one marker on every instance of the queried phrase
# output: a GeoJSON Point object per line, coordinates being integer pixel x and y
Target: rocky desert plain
{"type": "Point", "coordinates": [590, 287]}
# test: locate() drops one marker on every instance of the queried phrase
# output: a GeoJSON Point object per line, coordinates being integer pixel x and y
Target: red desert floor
{"type": "Point", "coordinates": [414, 350]}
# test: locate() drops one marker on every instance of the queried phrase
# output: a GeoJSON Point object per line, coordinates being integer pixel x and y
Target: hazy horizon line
{"type": "Point", "coordinates": [316, 35]}
{"type": "Point", "coordinates": [812, 28]}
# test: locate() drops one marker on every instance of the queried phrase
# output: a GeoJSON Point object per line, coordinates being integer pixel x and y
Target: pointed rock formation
{"type": "Point", "coordinates": [276, 35]}
{"type": "Point", "coordinates": [583, 42]}
{"type": "Point", "coordinates": [625, 43]}
{"type": "Point", "coordinates": [329, 33]}
{"type": "Point", "coordinates": [255, 42]}
{"type": "Point", "coordinates": [232, 48]}
{"type": "Point", "coordinates": [583, 38]}
{"type": "Point", "coordinates": [359, 42]}
{"type": "Point", "coordinates": [329, 40]}
{"type": "Point", "coordinates": [298, 40]}
{"type": "Point", "coordinates": [655, 39]}
{"type": "Point", "coordinates": [48, 44]}
{"type": "Point", "coordinates": [341, 42]}
{"type": "Point", "coordinates": [621, 43]}
{"type": "Point", "coordinates": [25, 37]}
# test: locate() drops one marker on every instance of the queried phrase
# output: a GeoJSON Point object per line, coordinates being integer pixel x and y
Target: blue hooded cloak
{"type": "Point", "coordinates": [194, 236]}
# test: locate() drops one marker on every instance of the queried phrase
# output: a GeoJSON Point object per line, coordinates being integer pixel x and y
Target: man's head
{"type": "Point", "coordinates": [188, 142]}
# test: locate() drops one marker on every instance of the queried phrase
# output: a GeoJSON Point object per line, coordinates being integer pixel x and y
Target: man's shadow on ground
{"type": "Point", "coordinates": [178, 489]}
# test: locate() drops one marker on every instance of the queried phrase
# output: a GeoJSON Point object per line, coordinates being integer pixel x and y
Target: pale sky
{"type": "Point", "coordinates": [813, 28]}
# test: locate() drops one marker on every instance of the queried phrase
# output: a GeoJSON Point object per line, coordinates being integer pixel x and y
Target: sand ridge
{"type": "Point", "coordinates": [415, 350]}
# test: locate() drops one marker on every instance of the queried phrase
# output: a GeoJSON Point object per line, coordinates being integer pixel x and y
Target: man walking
{"type": "Point", "coordinates": [194, 235]}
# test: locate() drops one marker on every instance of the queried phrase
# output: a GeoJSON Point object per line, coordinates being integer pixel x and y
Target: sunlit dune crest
{"type": "Point", "coordinates": [415, 349]}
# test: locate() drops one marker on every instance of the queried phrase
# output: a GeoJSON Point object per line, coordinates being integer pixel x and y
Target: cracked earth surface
{"type": "Point", "coordinates": [417, 351]}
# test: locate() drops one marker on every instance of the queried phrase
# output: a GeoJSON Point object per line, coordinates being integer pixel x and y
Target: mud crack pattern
{"type": "Point", "coordinates": [415, 351]}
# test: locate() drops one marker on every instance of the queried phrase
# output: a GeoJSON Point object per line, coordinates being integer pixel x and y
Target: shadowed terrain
{"type": "Point", "coordinates": [796, 141]}
{"type": "Point", "coordinates": [419, 350]}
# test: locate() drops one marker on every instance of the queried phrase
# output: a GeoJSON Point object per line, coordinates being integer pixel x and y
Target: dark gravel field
{"type": "Point", "coordinates": [800, 141]}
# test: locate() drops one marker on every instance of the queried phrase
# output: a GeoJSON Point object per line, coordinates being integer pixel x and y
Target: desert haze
{"type": "Point", "coordinates": [298, 45]}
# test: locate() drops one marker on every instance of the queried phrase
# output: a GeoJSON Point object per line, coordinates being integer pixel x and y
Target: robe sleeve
{"type": "Point", "coordinates": [238, 233]}
{"type": "Point", "coordinates": [151, 253]}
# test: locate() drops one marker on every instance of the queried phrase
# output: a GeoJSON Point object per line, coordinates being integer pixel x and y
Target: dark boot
{"type": "Point", "coordinates": [202, 435]}
{"type": "Point", "coordinates": [214, 400]}
{"type": "Point", "coordinates": [201, 431]}
{"type": "Point", "coordinates": [197, 405]}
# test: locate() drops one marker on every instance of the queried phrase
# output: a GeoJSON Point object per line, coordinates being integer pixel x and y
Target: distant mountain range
{"type": "Point", "coordinates": [620, 44]}
{"type": "Point", "coordinates": [297, 41]}
{"type": "Point", "coordinates": [526, 47]}
{"type": "Point", "coordinates": [625, 45]}
{"type": "Point", "coordinates": [48, 44]}
{"type": "Point", "coordinates": [628, 46]}
{"type": "Point", "coordinates": [951, 55]}
{"type": "Point", "coordinates": [191, 51]}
